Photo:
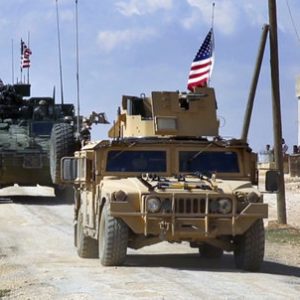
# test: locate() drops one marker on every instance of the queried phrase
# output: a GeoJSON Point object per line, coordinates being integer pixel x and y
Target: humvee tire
{"type": "Point", "coordinates": [62, 143]}
{"type": "Point", "coordinates": [209, 251]}
{"type": "Point", "coordinates": [113, 239]}
{"type": "Point", "coordinates": [250, 247]}
{"type": "Point", "coordinates": [87, 247]}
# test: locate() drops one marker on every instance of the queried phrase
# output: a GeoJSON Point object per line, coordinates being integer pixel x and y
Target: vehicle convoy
{"type": "Point", "coordinates": [34, 134]}
{"type": "Point", "coordinates": [167, 175]}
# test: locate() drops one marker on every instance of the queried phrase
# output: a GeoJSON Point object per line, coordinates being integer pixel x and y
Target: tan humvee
{"type": "Point", "coordinates": [166, 175]}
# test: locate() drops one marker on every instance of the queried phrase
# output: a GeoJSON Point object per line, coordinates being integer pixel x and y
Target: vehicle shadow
{"type": "Point", "coordinates": [195, 262]}
{"type": "Point", "coordinates": [42, 200]}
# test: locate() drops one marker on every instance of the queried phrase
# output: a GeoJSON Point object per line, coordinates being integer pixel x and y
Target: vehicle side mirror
{"type": "Point", "coordinates": [68, 169]}
{"type": "Point", "coordinates": [272, 181]}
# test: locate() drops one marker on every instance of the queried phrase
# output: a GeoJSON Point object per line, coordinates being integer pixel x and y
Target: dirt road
{"type": "Point", "coordinates": [38, 261]}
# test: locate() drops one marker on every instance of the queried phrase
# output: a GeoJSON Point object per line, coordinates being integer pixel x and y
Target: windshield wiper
{"type": "Point", "coordinates": [199, 152]}
{"type": "Point", "coordinates": [120, 152]}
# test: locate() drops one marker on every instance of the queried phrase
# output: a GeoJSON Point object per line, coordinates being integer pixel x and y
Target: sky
{"type": "Point", "coordinates": [138, 46]}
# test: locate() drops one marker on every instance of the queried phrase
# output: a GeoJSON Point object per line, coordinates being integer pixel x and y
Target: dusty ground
{"type": "Point", "coordinates": [38, 261]}
{"type": "Point", "coordinates": [292, 202]}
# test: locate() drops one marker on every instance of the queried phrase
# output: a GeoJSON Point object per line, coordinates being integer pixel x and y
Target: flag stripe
{"type": "Point", "coordinates": [198, 75]}
{"type": "Point", "coordinates": [199, 71]}
{"type": "Point", "coordinates": [206, 66]}
{"type": "Point", "coordinates": [199, 78]}
{"type": "Point", "coordinates": [202, 62]}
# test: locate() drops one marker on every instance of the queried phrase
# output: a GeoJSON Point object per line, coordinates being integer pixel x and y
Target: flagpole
{"type": "Point", "coordinates": [59, 56]}
{"type": "Point", "coordinates": [213, 38]}
{"type": "Point", "coordinates": [213, 15]}
{"type": "Point", "coordinates": [28, 43]}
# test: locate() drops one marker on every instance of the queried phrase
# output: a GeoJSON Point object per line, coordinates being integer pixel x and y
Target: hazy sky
{"type": "Point", "coordinates": [136, 46]}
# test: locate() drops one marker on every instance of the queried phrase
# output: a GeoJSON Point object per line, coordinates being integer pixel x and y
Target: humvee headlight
{"type": "Point", "coordinates": [225, 206]}
{"type": "Point", "coordinates": [120, 196]}
{"type": "Point", "coordinates": [153, 204]}
{"type": "Point", "coordinates": [253, 197]}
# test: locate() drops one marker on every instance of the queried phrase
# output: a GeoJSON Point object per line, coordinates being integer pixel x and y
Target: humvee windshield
{"type": "Point", "coordinates": [136, 161]}
{"type": "Point", "coordinates": [208, 162]}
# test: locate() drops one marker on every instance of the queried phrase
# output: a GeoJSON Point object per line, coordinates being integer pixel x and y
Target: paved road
{"type": "Point", "coordinates": [38, 261]}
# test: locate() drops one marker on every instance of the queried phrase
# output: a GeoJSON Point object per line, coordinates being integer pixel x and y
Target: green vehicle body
{"type": "Point", "coordinates": [25, 133]}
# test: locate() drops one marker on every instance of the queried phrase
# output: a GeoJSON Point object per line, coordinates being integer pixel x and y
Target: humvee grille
{"type": "Point", "coordinates": [189, 205]}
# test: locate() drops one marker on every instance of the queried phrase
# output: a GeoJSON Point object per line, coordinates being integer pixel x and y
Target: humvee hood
{"type": "Point", "coordinates": [231, 186]}
{"type": "Point", "coordinates": [128, 185]}
{"type": "Point", "coordinates": [134, 185]}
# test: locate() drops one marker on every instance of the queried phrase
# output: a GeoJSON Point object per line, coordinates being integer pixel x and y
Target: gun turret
{"type": "Point", "coordinates": [168, 114]}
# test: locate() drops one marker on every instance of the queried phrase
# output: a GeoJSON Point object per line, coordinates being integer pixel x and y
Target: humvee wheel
{"type": "Point", "coordinates": [62, 143]}
{"type": "Point", "coordinates": [113, 239]}
{"type": "Point", "coordinates": [87, 247]}
{"type": "Point", "coordinates": [250, 247]}
{"type": "Point", "coordinates": [209, 251]}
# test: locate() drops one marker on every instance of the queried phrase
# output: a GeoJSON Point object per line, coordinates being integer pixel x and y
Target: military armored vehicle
{"type": "Point", "coordinates": [167, 175]}
{"type": "Point", "coordinates": [26, 124]}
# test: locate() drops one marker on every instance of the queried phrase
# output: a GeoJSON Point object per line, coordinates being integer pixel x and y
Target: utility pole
{"type": "Point", "coordinates": [255, 78]}
{"type": "Point", "coordinates": [281, 208]}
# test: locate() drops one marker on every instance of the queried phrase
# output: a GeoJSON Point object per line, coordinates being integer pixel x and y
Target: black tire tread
{"type": "Point", "coordinates": [250, 247]}
{"type": "Point", "coordinates": [62, 144]}
{"type": "Point", "coordinates": [87, 247]}
{"type": "Point", "coordinates": [115, 240]}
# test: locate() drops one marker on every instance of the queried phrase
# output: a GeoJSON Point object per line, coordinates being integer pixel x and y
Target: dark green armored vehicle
{"type": "Point", "coordinates": [34, 134]}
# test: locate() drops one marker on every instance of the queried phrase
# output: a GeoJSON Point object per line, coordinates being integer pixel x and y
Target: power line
{"type": "Point", "coordinates": [292, 20]}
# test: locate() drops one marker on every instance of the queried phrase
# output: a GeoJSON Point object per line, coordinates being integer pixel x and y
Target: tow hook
{"type": "Point", "coordinates": [164, 227]}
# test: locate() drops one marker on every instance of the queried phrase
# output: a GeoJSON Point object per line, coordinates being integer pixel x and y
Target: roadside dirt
{"type": "Point", "coordinates": [38, 261]}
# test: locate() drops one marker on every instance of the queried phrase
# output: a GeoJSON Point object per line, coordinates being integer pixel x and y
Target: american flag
{"type": "Point", "coordinates": [202, 65]}
{"type": "Point", "coordinates": [25, 55]}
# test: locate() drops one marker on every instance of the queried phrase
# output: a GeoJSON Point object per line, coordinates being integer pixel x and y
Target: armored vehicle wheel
{"type": "Point", "coordinates": [113, 239]}
{"type": "Point", "coordinates": [87, 247]}
{"type": "Point", "coordinates": [250, 247]}
{"type": "Point", "coordinates": [209, 251]}
{"type": "Point", "coordinates": [62, 143]}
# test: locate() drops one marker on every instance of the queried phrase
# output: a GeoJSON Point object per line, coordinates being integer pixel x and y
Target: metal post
{"type": "Point", "coordinates": [281, 208]}
{"type": "Point", "coordinates": [59, 57]}
{"type": "Point", "coordinates": [255, 78]}
{"type": "Point", "coordinates": [77, 69]}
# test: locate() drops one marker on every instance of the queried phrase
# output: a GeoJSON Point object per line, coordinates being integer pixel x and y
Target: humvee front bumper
{"type": "Point", "coordinates": [191, 220]}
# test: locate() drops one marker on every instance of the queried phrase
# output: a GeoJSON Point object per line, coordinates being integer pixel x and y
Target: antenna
{"type": "Point", "coordinates": [53, 93]}
{"type": "Point", "coordinates": [21, 69]}
{"type": "Point", "coordinates": [59, 55]}
{"type": "Point", "coordinates": [77, 69]}
{"type": "Point", "coordinates": [213, 15]}
{"type": "Point", "coordinates": [12, 62]}
{"type": "Point", "coordinates": [28, 43]}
